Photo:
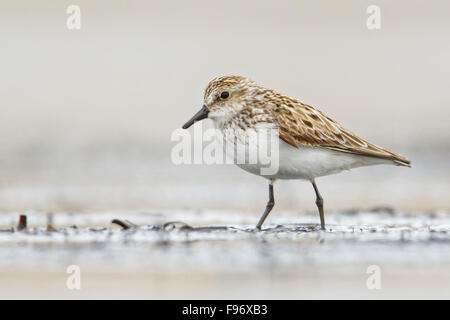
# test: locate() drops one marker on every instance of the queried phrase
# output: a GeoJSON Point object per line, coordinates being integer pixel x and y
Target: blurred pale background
{"type": "Point", "coordinates": [86, 115]}
{"type": "Point", "coordinates": [85, 123]}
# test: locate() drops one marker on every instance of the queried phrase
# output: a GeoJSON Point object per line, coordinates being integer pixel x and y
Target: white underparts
{"type": "Point", "coordinates": [286, 161]}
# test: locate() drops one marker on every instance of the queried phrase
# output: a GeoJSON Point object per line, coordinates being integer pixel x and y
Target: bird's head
{"type": "Point", "coordinates": [224, 97]}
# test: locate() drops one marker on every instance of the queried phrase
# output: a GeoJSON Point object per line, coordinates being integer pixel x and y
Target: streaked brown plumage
{"type": "Point", "coordinates": [302, 124]}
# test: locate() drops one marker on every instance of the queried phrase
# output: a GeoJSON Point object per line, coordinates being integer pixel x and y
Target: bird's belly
{"type": "Point", "coordinates": [302, 163]}
{"type": "Point", "coordinates": [290, 163]}
{"type": "Point", "coordinates": [309, 162]}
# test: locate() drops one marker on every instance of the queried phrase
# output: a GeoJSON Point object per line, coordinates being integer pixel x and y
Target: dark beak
{"type": "Point", "coordinates": [202, 114]}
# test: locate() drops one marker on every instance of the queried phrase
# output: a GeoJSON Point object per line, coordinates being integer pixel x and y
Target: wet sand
{"type": "Point", "coordinates": [208, 260]}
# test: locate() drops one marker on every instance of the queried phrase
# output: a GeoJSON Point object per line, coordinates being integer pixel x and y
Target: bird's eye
{"type": "Point", "coordinates": [224, 95]}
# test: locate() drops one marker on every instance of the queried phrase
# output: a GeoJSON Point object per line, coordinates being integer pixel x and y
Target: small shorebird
{"type": "Point", "coordinates": [311, 144]}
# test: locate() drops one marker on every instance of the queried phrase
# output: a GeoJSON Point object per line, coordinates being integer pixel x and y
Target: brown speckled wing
{"type": "Point", "coordinates": [300, 124]}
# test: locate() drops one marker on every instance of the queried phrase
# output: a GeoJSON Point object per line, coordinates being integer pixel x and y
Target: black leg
{"type": "Point", "coordinates": [269, 206]}
{"type": "Point", "coordinates": [319, 203]}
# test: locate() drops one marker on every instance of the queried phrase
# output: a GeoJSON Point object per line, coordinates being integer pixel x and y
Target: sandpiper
{"type": "Point", "coordinates": [311, 144]}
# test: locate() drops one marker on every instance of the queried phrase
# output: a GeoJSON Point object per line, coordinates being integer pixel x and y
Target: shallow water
{"type": "Point", "coordinates": [219, 254]}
